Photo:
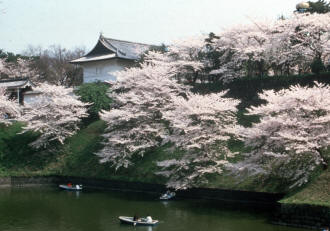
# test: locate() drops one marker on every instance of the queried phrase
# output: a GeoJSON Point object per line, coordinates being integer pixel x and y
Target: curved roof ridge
{"type": "Point", "coordinates": [108, 45]}
{"type": "Point", "coordinates": [118, 40]}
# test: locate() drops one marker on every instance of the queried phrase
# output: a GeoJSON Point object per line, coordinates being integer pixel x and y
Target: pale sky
{"type": "Point", "coordinates": [74, 23]}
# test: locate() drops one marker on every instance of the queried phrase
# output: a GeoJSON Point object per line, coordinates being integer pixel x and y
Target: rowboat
{"type": "Point", "coordinates": [76, 187]}
{"type": "Point", "coordinates": [140, 221]}
{"type": "Point", "coordinates": [167, 196]}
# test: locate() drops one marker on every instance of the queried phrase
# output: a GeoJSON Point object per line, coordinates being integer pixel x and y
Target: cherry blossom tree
{"type": "Point", "coordinates": [55, 113]}
{"type": "Point", "coordinates": [152, 109]}
{"type": "Point", "coordinates": [286, 46]}
{"type": "Point", "coordinates": [23, 68]}
{"type": "Point", "coordinates": [293, 132]}
{"type": "Point", "coordinates": [199, 125]}
{"type": "Point", "coordinates": [135, 122]}
{"type": "Point", "coordinates": [8, 108]}
{"type": "Point", "coordinates": [244, 50]}
{"type": "Point", "coordinates": [301, 39]}
{"type": "Point", "coordinates": [184, 57]}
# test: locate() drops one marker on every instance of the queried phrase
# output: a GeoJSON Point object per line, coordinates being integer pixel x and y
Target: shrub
{"type": "Point", "coordinates": [96, 94]}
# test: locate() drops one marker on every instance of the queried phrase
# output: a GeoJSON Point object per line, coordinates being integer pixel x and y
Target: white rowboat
{"type": "Point", "coordinates": [140, 221]}
{"type": "Point", "coordinates": [76, 187]}
{"type": "Point", "coordinates": [167, 196]}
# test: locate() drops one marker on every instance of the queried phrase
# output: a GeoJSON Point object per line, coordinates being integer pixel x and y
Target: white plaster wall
{"type": "Point", "coordinates": [30, 99]}
{"type": "Point", "coordinates": [104, 69]}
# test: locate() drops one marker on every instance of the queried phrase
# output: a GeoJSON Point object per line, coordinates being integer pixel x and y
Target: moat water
{"type": "Point", "coordinates": [50, 209]}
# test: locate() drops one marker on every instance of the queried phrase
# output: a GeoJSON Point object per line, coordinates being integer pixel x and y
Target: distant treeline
{"type": "Point", "coordinates": [49, 65]}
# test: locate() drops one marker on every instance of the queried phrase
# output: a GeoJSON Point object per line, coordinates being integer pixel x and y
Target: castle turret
{"type": "Point", "coordinates": [302, 7]}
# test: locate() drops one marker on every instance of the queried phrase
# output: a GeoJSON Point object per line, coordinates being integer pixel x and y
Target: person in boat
{"type": "Point", "coordinates": [69, 184]}
{"type": "Point", "coordinates": [135, 218]}
{"type": "Point", "coordinates": [166, 194]}
{"type": "Point", "coordinates": [148, 219]}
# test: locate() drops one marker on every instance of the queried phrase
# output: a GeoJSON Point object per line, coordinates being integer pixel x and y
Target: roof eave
{"type": "Point", "coordinates": [102, 42]}
{"type": "Point", "coordinates": [89, 61]}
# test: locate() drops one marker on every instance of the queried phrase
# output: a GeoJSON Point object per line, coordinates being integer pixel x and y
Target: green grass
{"type": "Point", "coordinates": [317, 192]}
{"type": "Point", "coordinates": [75, 158]}
{"type": "Point", "coordinates": [16, 156]}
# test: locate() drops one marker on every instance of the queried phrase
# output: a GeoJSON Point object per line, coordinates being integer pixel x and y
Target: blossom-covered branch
{"type": "Point", "coordinates": [8, 108]}
{"type": "Point", "coordinates": [293, 131]}
{"type": "Point", "coordinates": [199, 125]}
{"type": "Point", "coordinates": [286, 46]}
{"type": "Point", "coordinates": [55, 113]}
{"type": "Point", "coordinates": [21, 69]}
{"type": "Point", "coordinates": [153, 109]}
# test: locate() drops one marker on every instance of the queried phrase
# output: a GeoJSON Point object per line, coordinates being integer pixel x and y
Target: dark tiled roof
{"type": "Point", "coordinates": [125, 49]}
{"type": "Point", "coordinates": [119, 48]}
{"type": "Point", "coordinates": [13, 80]}
{"type": "Point", "coordinates": [15, 83]}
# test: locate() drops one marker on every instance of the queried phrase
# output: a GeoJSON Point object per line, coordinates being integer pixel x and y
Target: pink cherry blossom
{"type": "Point", "coordinates": [55, 113]}
{"type": "Point", "coordinates": [9, 108]}
{"type": "Point", "coordinates": [152, 108]}
{"type": "Point", "coordinates": [293, 131]}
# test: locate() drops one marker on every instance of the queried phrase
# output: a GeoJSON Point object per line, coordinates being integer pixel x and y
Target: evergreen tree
{"type": "Point", "coordinates": [320, 7]}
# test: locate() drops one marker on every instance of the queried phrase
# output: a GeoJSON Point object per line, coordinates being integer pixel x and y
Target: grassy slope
{"type": "Point", "coordinates": [317, 192]}
{"type": "Point", "coordinates": [76, 158]}
{"type": "Point", "coordinates": [16, 157]}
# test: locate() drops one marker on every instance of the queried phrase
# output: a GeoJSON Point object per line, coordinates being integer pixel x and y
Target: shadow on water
{"type": "Point", "coordinates": [39, 209]}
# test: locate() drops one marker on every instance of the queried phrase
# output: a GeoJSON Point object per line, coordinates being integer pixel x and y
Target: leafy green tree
{"type": "Point", "coordinates": [320, 7]}
{"type": "Point", "coordinates": [96, 94]}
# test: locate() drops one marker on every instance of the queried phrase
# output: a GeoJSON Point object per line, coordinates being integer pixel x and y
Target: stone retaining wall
{"type": "Point", "coordinates": [204, 193]}
{"type": "Point", "coordinates": [39, 180]}
{"type": "Point", "coordinates": [5, 181]}
{"type": "Point", "coordinates": [200, 193]}
{"type": "Point", "coordinates": [233, 196]}
{"type": "Point", "coordinates": [303, 216]}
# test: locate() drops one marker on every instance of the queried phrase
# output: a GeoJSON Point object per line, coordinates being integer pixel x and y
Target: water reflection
{"type": "Point", "coordinates": [165, 203]}
{"type": "Point", "coordinates": [75, 194]}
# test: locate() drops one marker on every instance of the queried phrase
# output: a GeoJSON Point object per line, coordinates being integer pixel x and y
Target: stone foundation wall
{"type": "Point", "coordinates": [26, 181]}
{"type": "Point", "coordinates": [233, 196]}
{"type": "Point", "coordinates": [5, 181]}
{"type": "Point", "coordinates": [303, 216]}
{"type": "Point", "coordinates": [199, 193]}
